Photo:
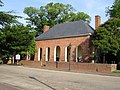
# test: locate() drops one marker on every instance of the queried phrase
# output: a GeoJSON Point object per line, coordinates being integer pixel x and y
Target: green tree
{"type": "Point", "coordinates": [52, 14]}
{"type": "Point", "coordinates": [107, 37]}
{"type": "Point", "coordinates": [6, 18]}
{"type": "Point", "coordinates": [114, 10]}
{"type": "Point", "coordinates": [1, 3]}
{"type": "Point", "coordinates": [16, 39]}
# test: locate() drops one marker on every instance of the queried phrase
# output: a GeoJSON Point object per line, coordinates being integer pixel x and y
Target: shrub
{"type": "Point", "coordinates": [1, 62]}
{"type": "Point", "coordinates": [118, 66]}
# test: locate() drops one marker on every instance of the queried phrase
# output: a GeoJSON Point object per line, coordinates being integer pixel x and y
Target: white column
{"type": "Point", "coordinates": [39, 54]}
{"type": "Point", "coordinates": [76, 54]}
{"type": "Point", "coordinates": [46, 54]}
{"type": "Point", "coordinates": [13, 59]}
{"type": "Point", "coordinates": [27, 56]}
{"type": "Point", "coordinates": [65, 54]}
{"type": "Point", "coordinates": [55, 54]}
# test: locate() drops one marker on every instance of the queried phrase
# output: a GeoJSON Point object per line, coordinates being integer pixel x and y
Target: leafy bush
{"type": "Point", "coordinates": [118, 66]}
{"type": "Point", "coordinates": [1, 62]}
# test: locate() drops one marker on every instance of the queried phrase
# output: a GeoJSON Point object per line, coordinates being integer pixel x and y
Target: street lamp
{"type": "Point", "coordinates": [93, 55]}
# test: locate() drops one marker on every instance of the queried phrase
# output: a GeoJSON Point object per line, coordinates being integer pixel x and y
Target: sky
{"type": "Point", "coordinates": [91, 7]}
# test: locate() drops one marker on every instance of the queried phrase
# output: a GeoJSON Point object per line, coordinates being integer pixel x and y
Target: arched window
{"type": "Point", "coordinates": [78, 54]}
{"type": "Point", "coordinates": [67, 54]}
{"type": "Point", "coordinates": [39, 54]}
{"type": "Point", "coordinates": [57, 53]}
{"type": "Point", "coordinates": [47, 54]}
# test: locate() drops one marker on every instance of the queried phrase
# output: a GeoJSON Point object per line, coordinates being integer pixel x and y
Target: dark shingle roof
{"type": "Point", "coordinates": [77, 28]}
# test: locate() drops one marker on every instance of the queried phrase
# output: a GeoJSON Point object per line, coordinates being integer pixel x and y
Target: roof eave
{"type": "Point", "coordinates": [87, 34]}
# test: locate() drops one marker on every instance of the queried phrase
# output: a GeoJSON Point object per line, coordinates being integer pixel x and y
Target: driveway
{"type": "Point", "coordinates": [24, 78]}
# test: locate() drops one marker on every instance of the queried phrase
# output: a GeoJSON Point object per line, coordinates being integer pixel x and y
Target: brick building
{"type": "Point", "coordinates": [65, 42]}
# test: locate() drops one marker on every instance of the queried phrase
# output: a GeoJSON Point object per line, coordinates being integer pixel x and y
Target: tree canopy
{"type": "Point", "coordinates": [107, 37]}
{"type": "Point", "coordinates": [6, 18]}
{"type": "Point", "coordinates": [15, 39]}
{"type": "Point", "coordinates": [52, 14]}
{"type": "Point", "coordinates": [14, 36]}
{"type": "Point", "coordinates": [114, 10]}
{"type": "Point", "coordinates": [1, 3]}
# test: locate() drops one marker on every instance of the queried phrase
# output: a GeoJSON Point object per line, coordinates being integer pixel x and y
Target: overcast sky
{"type": "Point", "coordinates": [91, 7]}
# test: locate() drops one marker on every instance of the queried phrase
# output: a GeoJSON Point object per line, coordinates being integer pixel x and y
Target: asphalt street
{"type": "Point", "coordinates": [24, 78]}
{"type": "Point", "coordinates": [7, 87]}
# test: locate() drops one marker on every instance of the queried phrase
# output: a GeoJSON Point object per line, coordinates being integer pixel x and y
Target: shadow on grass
{"type": "Point", "coordinates": [42, 82]}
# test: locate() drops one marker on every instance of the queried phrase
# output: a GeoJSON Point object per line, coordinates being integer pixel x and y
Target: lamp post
{"type": "Point", "coordinates": [93, 59]}
{"type": "Point", "coordinates": [69, 54]}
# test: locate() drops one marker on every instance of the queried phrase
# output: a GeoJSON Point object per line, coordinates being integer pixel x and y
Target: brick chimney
{"type": "Point", "coordinates": [45, 28]}
{"type": "Point", "coordinates": [97, 21]}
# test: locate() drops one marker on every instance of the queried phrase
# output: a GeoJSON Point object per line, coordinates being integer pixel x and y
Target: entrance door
{"type": "Point", "coordinates": [57, 53]}
{"type": "Point", "coordinates": [78, 54]}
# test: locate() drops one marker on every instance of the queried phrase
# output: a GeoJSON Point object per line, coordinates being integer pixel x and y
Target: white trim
{"type": "Point", "coordinates": [66, 36]}
{"type": "Point", "coordinates": [55, 54]}
{"type": "Point", "coordinates": [76, 54]}
{"type": "Point", "coordinates": [66, 54]}
{"type": "Point", "coordinates": [46, 54]}
{"type": "Point", "coordinates": [38, 54]}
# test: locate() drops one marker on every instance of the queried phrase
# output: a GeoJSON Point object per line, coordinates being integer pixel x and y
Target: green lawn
{"type": "Point", "coordinates": [116, 71]}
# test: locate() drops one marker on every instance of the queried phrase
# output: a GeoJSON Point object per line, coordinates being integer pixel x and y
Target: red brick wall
{"type": "Point", "coordinates": [97, 21]}
{"type": "Point", "coordinates": [76, 67]}
{"type": "Point", "coordinates": [83, 41]}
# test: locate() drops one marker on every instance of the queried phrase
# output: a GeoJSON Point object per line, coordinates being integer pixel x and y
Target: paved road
{"type": "Point", "coordinates": [7, 87]}
{"type": "Point", "coordinates": [24, 78]}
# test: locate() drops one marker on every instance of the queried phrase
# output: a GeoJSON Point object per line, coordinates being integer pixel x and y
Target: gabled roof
{"type": "Point", "coordinates": [70, 29]}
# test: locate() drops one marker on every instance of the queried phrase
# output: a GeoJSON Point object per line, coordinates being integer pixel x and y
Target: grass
{"type": "Point", "coordinates": [1, 62]}
{"type": "Point", "coordinates": [116, 71]}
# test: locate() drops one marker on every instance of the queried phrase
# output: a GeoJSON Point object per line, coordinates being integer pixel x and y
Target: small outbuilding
{"type": "Point", "coordinates": [65, 42]}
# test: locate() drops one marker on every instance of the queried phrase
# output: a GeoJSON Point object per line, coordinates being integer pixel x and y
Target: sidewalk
{"type": "Point", "coordinates": [97, 73]}
{"type": "Point", "coordinates": [104, 74]}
